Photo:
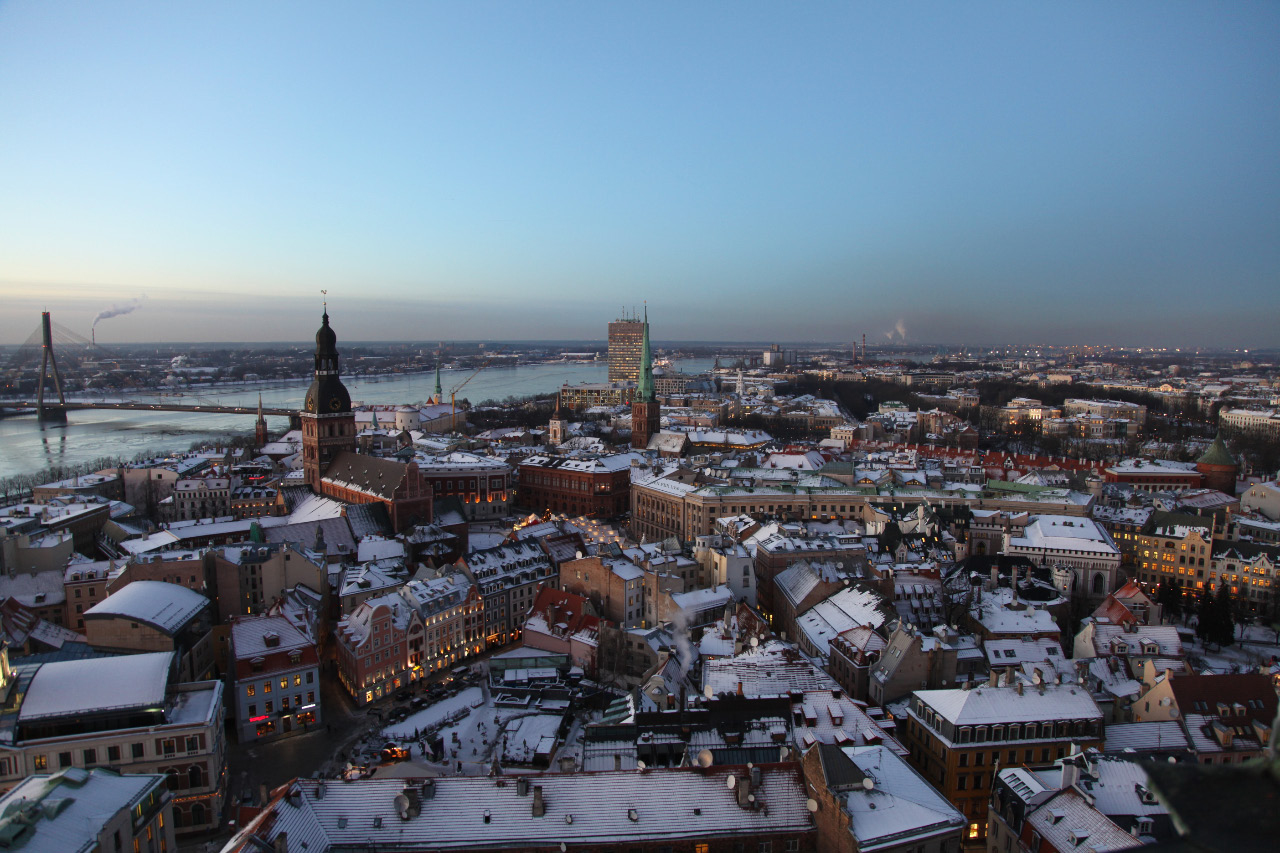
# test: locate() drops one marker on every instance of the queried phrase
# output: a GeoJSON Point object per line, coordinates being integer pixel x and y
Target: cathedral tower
{"type": "Point", "coordinates": [328, 424]}
{"type": "Point", "coordinates": [646, 413]}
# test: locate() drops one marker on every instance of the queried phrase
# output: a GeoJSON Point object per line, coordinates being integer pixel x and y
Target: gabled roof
{"type": "Point", "coordinates": [369, 474]}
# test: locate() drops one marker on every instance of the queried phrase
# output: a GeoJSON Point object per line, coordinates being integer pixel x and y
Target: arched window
{"type": "Point", "coordinates": [195, 775]}
{"type": "Point", "coordinates": [1098, 581]}
{"type": "Point", "coordinates": [197, 814]}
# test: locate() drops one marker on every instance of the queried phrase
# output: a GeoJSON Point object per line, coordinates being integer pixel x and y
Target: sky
{"type": "Point", "coordinates": [965, 173]}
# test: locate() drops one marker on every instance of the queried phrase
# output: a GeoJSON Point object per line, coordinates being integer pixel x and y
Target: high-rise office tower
{"type": "Point", "coordinates": [625, 339]}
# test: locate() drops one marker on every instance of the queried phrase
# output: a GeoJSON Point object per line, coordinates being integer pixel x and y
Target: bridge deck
{"type": "Point", "coordinates": [156, 407]}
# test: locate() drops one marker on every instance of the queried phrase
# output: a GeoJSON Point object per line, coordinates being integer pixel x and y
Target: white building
{"type": "Point", "coordinates": [1079, 543]}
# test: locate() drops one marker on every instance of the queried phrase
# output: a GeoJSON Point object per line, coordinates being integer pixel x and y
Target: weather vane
{"type": "Point", "coordinates": [325, 294]}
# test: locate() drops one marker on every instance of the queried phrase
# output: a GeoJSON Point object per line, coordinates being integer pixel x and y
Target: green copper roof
{"type": "Point", "coordinates": [1217, 454]}
{"type": "Point", "coordinates": [438, 391]}
{"type": "Point", "coordinates": [644, 391]}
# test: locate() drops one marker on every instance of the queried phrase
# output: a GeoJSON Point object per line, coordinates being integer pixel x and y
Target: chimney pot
{"type": "Point", "coordinates": [539, 805]}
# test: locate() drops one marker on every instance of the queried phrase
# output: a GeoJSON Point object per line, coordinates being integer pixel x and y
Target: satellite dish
{"type": "Point", "coordinates": [754, 642]}
{"type": "Point", "coordinates": [731, 781]}
{"type": "Point", "coordinates": [868, 784]}
{"type": "Point", "coordinates": [640, 765]}
{"type": "Point", "coordinates": [705, 758]}
{"type": "Point", "coordinates": [708, 692]}
{"type": "Point", "coordinates": [812, 805]}
{"type": "Point", "coordinates": [577, 555]}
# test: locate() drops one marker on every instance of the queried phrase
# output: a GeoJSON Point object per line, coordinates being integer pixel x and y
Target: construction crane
{"type": "Point", "coordinates": [453, 392]}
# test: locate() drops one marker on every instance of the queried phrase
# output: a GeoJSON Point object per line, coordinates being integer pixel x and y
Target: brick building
{"type": "Point", "coordinates": [958, 738]}
{"type": "Point", "coordinates": [598, 487]}
{"type": "Point", "coordinates": [393, 640]}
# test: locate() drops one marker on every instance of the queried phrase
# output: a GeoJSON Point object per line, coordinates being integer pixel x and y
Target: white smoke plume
{"type": "Point", "coordinates": [899, 329]}
{"type": "Point", "coordinates": [118, 309]}
{"type": "Point", "coordinates": [685, 653]}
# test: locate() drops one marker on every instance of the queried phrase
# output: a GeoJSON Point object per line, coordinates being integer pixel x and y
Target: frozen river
{"type": "Point", "coordinates": [27, 446]}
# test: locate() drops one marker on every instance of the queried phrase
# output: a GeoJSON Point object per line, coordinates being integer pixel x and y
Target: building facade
{"type": "Point", "coordinates": [625, 336]}
{"type": "Point", "coordinates": [274, 678]}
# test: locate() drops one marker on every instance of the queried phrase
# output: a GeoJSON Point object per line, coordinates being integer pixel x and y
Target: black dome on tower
{"type": "Point", "coordinates": [326, 340]}
{"type": "Point", "coordinates": [327, 394]}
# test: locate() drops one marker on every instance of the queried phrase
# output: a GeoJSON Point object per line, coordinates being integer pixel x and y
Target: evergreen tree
{"type": "Point", "coordinates": [1169, 597]}
{"type": "Point", "coordinates": [1205, 617]}
{"type": "Point", "coordinates": [1224, 623]}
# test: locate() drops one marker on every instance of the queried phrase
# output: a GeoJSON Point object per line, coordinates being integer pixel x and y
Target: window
{"type": "Point", "coordinates": [253, 710]}
{"type": "Point", "coordinates": [113, 753]}
{"type": "Point", "coordinates": [193, 743]}
{"type": "Point", "coordinates": [250, 691]}
{"type": "Point", "coordinates": [90, 757]}
{"type": "Point", "coordinates": [271, 706]}
{"type": "Point", "coordinates": [137, 750]}
{"type": "Point", "coordinates": [793, 845]}
{"type": "Point", "coordinates": [266, 687]}
{"type": "Point", "coordinates": [64, 759]}
{"type": "Point", "coordinates": [40, 762]}
{"type": "Point", "coordinates": [297, 680]}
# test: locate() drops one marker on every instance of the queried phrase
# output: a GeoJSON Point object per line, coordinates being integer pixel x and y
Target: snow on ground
{"type": "Point", "coordinates": [472, 731]}
{"type": "Point", "coordinates": [422, 720]}
{"type": "Point", "coordinates": [524, 736]}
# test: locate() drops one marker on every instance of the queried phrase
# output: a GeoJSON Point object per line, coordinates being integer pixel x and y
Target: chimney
{"type": "Point", "coordinates": [994, 680]}
{"type": "Point", "coordinates": [1070, 771]}
{"type": "Point", "coordinates": [1019, 687]}
{"type": "Point", "coordinates": [739, 688]}
{"type": "Point", "coordinates": [539, 805]}
{"type": "Point", "coordinates": [281, 843]}
{"type": "Point", "coordinates": [1013, 583]}
{"type": "Point", "coordinates": [617, 761]}
{"type": "Point", "coordinates": [995, 575]}
{"type": "Point", "coordinates": [522, 785]}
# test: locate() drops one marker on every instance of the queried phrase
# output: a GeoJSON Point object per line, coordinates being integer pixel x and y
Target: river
{"type": "Point", "coordinates": [27, 446]}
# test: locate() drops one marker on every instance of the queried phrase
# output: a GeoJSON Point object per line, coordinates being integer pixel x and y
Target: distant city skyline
{"type": "Point", "coordinates": [984, 174]}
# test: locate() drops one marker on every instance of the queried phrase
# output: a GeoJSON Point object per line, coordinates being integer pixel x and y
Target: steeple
{"type": "Point", "coordinates": [644, 389]}
{"type": "Point", "coordinates": [260, 426]}
{"type": "Point", "coordinates": [327, 394]}
{"type": "Point", "coordinates": [439, 393]}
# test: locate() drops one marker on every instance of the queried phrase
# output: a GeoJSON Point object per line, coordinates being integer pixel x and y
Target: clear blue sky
{"type": "Point", "coordinates": [980, 172]}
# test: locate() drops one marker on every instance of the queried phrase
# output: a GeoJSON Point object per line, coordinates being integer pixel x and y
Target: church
{"type": "Point", "coordinates": [330, 463]}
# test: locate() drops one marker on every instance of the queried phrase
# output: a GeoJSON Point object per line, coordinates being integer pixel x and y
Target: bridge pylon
{"type": "Point", "coordinates": [49, 360]}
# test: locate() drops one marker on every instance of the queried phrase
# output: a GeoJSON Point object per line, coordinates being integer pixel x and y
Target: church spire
{"type": "Point", "coordinates": [439, 394]}
{"type": "Point", "coordinates": [644, 390]}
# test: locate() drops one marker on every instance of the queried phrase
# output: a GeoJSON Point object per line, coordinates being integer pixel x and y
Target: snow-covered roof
{"type": "Point", "coordinates": [899, 802]}
{"type": "Point", "coordinates": [772, 669]}
{"type": "Point", "coordinates": [1060, 533]}
{"type": "Point", "coordinates": [989, 705]}
{"type": "Point", "coordinates": [249, 636]}
{"type": "Point", "coordinates": [72, 808]}
{"type": "Point", "coordinates": [68, 688]}
{"type": "Point", "coordinates": [849, 608]}
{"type": "Point", "coordinates": [586, 810]}
{"type": "Point", "coordinates": [165, 606]}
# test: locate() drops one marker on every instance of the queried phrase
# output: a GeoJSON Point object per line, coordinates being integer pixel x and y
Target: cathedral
{"type": "Point", "coordinates": [330, 463]}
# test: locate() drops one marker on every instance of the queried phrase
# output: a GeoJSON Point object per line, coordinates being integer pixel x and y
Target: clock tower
{"type": "Point", "coordinates": [328, 424]}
